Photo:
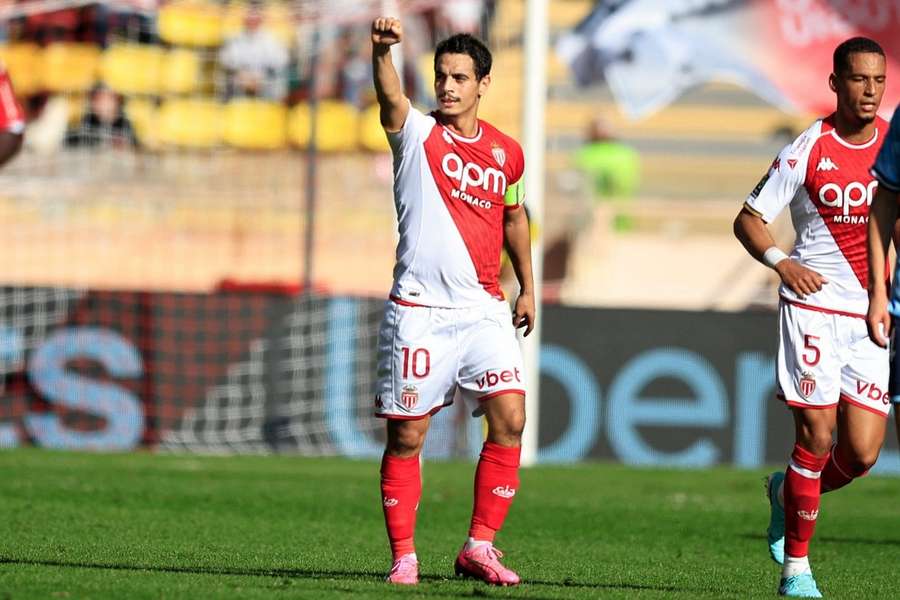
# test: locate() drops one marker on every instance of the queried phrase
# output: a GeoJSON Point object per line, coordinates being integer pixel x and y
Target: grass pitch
{"type": "Point", "coordinates": [147, 526]}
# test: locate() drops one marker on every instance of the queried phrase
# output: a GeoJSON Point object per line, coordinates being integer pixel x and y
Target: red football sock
{"type": "Point", "coordinates": [401, 487]}
{"type": "Point", "coordinates": [496, 482]}
{"type": "Point", "coordinates": [837, 473]}
{"type": "Point", "coordinates": [801, 500]}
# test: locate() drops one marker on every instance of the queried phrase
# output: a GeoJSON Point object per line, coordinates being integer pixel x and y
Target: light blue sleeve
{"type": "Point", "coordinates": [887, 165]}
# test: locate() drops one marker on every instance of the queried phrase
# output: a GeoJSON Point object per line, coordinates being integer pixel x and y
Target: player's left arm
{"type": "Point", "coordinates": [517, 238]}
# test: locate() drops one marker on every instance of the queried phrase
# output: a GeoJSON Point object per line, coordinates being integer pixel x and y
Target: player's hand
{"type": "Point", "coordinates": [799, 279]}
{"type": "Point", "coordinates": [386, 31]}
{"type": "Point", "coordinates": [878, 320]}
{"type": "Point", "coordinates": [523, 315]}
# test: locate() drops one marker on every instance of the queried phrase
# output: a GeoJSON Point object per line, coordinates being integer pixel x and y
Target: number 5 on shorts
{"type": "Point", "coordinates": [809, 343]}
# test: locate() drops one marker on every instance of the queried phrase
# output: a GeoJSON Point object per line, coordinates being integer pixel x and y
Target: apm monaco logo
{"type": "Point", "coordinates": [808, 515]}
{"type": "Point", "coordinates": [504, 491]}
{"type": "Point", "coordinates": [807, 384]}
{"type": "Point", "coordinates": [389, 502]}
{"type": "Point", "coordinates": [826, 164]}
{"type": "Point", "coordinates": [409, 396]}
{"type": "Point", "coordinates": [499, 154]}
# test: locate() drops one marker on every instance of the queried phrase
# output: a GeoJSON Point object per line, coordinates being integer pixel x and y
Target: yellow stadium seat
{"type": "Point", "coordinates": [23, 61]}
{"type": "Point", "coordinates": [191, 23]}
{"type": "Point", "coordinates": [132, 68]}
{"type": "Point", "coordinates": [192, 123]}
{"type": "Point", "coordinates": [337, 129]}
{"type": "Point", "coordinates": [180, 71]}
{"type": "Point", "coordinates": [69, 67]}
{"type": "Point", "coordinates": [371, 133]}
{"type": "Point", "coordinates": [255, 124]}
{"type": "Point", "coordinates": [144, 116]}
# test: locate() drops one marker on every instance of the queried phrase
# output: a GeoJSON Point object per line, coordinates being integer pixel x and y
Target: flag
{"type": "Point", "coordinates": [650, 51]}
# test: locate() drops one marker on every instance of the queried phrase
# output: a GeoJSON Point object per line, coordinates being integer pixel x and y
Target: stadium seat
{"type": "Point", "coordinates": [144, 117]}
{"type": "Point", "coordinates": [180, 71]}
{"type": "Point", "coordinates": [337, 129]}
{"type": "Point", "coordinates": [23, 63]}
{"type": "Point", "coordinates": [69, 67]}
{"type": "Point", "coordinates": [255, 124]}
{"type": "Point", "coordinates": [132, 68]}
{"type": "Point", "coordinates": [371, 133]}
{"type": "Point", "coordinates": [191, 23]}
{"type": "Point", "coordinates": [192, 123]}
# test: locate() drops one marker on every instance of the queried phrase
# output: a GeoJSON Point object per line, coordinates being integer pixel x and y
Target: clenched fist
{"type": "Point", "coordinates": [386, 31]}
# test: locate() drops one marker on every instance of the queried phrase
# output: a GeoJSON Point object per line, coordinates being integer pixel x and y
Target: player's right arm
{"type": "Point", "coordinates": [394, 104]}
{"type": "Point", "coordinates": [752, 232]}
{"type": "Point", "coordinates": [774, 192]}
{"type": "Point", "coordinates": [882, 220]}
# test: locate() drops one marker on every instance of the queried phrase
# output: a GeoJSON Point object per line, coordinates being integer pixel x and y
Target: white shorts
{"type": "Point", "coordinates": [426, 354]}
{"type": "Point", "coordinates": [825, 358]}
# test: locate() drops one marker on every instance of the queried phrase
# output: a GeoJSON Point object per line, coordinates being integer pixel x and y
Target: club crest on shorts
{"type": "Point", "coordinates": [807, 384]}
{"type": "Point", "coordinates": [409, 396]}
{"type": "Point", "coordinates": [499, 154]}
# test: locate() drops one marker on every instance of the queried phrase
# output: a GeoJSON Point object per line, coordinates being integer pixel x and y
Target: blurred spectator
{"type": "Point", "coordinates": [104, 123]}
{"type": "Point", "coordinates": [255, 62]}
{"type": "Point", "coordinates": [612, 166]}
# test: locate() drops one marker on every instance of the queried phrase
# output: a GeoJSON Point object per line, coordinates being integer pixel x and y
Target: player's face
{"type": "Point", "coordinates": [456, 87]}
{"type": "Point", "coordinates": [860, 87]}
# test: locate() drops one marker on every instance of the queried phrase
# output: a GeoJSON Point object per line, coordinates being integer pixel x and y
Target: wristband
{"type": "Point", "coordinates": [773, 256]}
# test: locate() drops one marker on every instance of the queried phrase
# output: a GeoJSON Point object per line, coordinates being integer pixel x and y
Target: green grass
{"type": "Point", "coordinates": [147, 526]}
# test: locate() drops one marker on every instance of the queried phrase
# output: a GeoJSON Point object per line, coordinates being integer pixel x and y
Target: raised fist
{"type": "Point", "coordinates": [387, 31]}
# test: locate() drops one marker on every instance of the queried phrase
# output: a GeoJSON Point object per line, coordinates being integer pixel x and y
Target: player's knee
{"type": "Point", "coordinates": [860, 463]}
{"type": "Point", "coordinates": [819, 443]}
{"type": "Point", "coordinates": [404, 439]}
{"type": "Point", "coordinates": [508, 431]}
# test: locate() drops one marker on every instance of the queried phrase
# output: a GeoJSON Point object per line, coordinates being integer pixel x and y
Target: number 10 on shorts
{"type": "Point", "coordinates": [416, 361]}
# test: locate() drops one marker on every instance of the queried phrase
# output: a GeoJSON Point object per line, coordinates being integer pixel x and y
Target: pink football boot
{"type": "Point", "coordinates": [483, 562]}
{"type": "Point", "coordinates": [405, 571]}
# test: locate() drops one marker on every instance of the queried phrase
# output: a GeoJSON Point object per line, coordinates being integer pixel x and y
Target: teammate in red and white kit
{"type": "Point", "coordinates": [12, 119]}
{"type": "Point", "coordinates": [829, 372]}
{"type": "Point", "coordinates": [447, 327]}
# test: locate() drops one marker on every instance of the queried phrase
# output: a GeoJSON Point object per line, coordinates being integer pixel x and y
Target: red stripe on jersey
{"type": "Point", "coordinates": [11, 113]}
{"type": "Point", "coordinates": [822, 309]}
{"type": "Point", "coordinates": [841, 187]}
{"type": "Point", "coordinates": [472, 183]}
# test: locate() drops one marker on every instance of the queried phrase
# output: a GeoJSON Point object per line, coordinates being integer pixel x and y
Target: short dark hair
{"type": "Point", "coordinates": [856, 45]}
{"type": "Point", "coordinates": [464, 43]}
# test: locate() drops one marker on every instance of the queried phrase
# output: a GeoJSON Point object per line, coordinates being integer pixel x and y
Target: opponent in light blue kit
{"type": "Point", "coordinates": [882, 220]}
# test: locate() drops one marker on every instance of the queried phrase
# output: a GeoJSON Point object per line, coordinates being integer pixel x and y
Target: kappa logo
{"type": "Point", "coordinates": [378, 402]}
{"type": "Point", "coordinates": [776, 164]}
{"type": "Point", "coordinates": [447, 137]}
{"type": "Point", "coordinates": [409, 396]}
{"type": "Point", "coordinates": [808, 515]}
{"type": "Point", "coordinates": [390, 502]}
{"type": "Point", "coordinates": [807, 384]}
{"type": "Point", "coordinates": [826, 164]}
{"type": "Point", "coordinates": [504, 492]}
{"type": "Point", "coordinates": [792, 162]}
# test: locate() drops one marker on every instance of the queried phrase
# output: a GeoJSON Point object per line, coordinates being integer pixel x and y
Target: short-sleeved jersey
{"type": "Point", "coordinates": [450, 193]}
{"type": "Point", "coordinates": [887, 171]}
{"type": "Point", "coordinates": [12, 117]}
{"type": "Point", "coordinates": [828, 185]}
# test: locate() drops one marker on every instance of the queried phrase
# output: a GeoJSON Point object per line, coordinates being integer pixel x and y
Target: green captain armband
{"type": "Point", "coordinates": [515, 194]}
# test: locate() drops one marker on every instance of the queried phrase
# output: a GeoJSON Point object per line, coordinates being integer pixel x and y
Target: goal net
{"type": "Point", "coordinates": [157, 223]}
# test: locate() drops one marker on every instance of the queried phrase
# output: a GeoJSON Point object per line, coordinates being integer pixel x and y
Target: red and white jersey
{"type": "Point", "coordinates": [12, 117]}
{"type": "Point", "coordinates": [450, 193]}
{"type": "Point", "coordinates": [826, 181]}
